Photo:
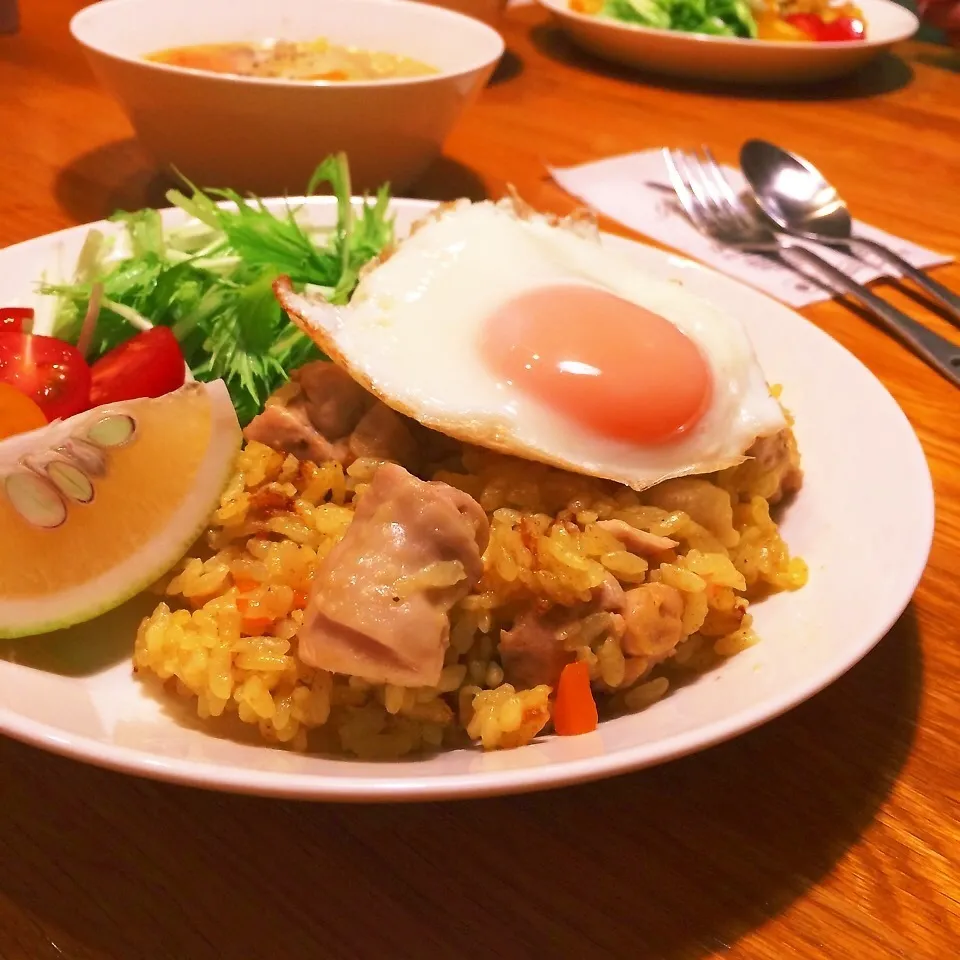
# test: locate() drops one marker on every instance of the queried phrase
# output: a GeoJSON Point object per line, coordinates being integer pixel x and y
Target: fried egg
{"type": "Point", "coordinates": [512, 331]}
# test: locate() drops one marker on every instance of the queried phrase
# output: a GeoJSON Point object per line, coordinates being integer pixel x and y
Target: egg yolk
{"type": "Point", "coordinates": [610, 365]}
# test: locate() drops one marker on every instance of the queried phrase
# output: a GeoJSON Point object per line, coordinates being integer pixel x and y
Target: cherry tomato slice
{"type": "Point", "coordinates": [809, 23]}
{"type": "Point", "coordinates": [49, 371]}
{"type": "Point", "coordinates": [843, 28]}
{"type": "Point", "coordinates": [18, 413]}
{"type": "Point", "coordinates": [16, 318]}
{"type": "Point", "coordinates": [149, 364]}
{"type": "Point", "coordinates": [827, 31]}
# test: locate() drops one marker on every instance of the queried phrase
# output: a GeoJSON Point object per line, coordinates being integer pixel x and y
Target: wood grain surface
{"type": "Point", "coordinates": [829, 833]}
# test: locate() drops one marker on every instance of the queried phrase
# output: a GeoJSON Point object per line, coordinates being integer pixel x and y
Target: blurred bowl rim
{"type": "Point", "coordinates": [84, 18]}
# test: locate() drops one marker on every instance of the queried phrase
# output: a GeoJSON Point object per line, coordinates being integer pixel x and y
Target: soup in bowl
{"type": "Point", "coordinates": [265, 133]}
{"type": "Point", "coordinates": [293, 60]}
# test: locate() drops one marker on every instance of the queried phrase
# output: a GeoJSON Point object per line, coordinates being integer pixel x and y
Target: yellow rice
{"type": "Point", "coordinates": [226, 632]}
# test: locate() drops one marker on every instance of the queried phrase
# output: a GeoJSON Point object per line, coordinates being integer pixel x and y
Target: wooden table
{"type": "Point", "coordinates": [829, 833]}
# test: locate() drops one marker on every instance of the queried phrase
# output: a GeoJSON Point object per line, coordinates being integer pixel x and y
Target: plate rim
{"type": "Point", "coordinates": [389, 789]}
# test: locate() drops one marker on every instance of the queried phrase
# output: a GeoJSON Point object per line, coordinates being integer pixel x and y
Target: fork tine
{"type": "Point", "coordinates": [689, 165]}
{"type": "Point", "coordinates": [728, 196]}
{"type": "Point", "coordinates": [723, 225]}
{"type": "Point", "coordinates": [690, 203]}
{"type": "Point", "coordinates": [723, 214]}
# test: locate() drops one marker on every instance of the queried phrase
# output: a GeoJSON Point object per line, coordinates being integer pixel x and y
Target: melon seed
{"type": "Point", "coordinates": [35, 499]}
{"type": "Point", "coordinates": [70, 480]}
{"type": "Point", "coordinates": [114, 430]}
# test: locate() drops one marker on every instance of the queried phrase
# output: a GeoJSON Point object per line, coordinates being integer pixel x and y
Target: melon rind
{"type": "Point", "coordinates": [156, 556]}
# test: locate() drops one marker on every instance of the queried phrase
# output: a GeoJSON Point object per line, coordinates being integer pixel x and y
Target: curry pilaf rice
{"type": "Point", "coordinates": [226, 632]}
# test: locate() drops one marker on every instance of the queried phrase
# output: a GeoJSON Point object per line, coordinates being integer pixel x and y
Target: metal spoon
{"type": "Point", "coordinates": [797, 198]}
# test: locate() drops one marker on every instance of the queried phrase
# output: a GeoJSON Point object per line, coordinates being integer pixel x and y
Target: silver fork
{"type": "Point", "coordinates": [716, 210]}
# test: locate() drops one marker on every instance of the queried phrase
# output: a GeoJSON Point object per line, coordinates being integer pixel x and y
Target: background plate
{"type": "Point", "coordinates": [699, 57]}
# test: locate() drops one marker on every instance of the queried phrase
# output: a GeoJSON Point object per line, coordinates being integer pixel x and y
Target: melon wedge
{"type": "Point", "coordinates": [95, 508]}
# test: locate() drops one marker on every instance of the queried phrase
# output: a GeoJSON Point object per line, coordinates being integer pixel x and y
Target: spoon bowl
{"type": "Point", "coordinates": [793, 193]}
{"type": "Point", "coordinates": [797, 197]}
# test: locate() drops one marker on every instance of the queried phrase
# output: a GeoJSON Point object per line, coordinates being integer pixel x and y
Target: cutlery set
{"type": "Point", "coordinates": [792, 207]}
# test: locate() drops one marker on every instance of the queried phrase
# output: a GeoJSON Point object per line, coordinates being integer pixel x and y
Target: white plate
{"type": "Point", "coordinates": [700, 57]}
{"type": "Point", "coordinates": [864, 529]}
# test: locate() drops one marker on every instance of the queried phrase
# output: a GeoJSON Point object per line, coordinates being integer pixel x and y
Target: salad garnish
{"type": "Point", "coordinates": [723, 18]}
{"type": "Point", "coordinates": [210, 282]}
{"type": "Point", "coordinates": [796, 21]}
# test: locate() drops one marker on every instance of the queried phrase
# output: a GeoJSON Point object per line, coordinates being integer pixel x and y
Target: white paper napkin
{"type": "Point", "coordinates": [634, 190]}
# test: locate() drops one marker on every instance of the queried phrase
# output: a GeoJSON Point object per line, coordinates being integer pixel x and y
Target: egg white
{"type": "Point", "coordinates": [412, 329]}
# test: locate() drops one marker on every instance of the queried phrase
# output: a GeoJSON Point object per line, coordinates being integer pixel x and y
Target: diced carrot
{"type": "Point", "coordinates": [253, 622]}
{"type": "Point", "coordinates": [575, 710]}
{"type": "Point", "coordinates": [244, 585]}
{"type": "Point", "coordinates": [255, 626]}
{"type": "Point", "coordinates": [300, 599]}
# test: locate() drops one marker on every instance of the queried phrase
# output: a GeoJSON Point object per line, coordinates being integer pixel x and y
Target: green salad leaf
{"type": "Point", "coordinates": [726, 18]}
{"type": "Point", "coordinates": [211, 280]}
{"type": "Point", "coordinates": [647, 13]}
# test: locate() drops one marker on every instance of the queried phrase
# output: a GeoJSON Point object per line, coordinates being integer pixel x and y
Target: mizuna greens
{"type": "Point", "coordinates": [210, 280]}
{"type": "Point", "coordinates": [730, 18]}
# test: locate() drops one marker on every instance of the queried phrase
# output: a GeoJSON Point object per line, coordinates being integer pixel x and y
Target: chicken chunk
{"type": "Point", "coordinates": [289, 430]}
{"type": "Point", "coordinates": [637, 541]}
{"type": "Point", "coordinates": [654, 621]}
{"type": "Point", "coordinates": [532, 651]}
{"type": "Point", "coordinates": [323, 414]}
{"type": "Point", "coordinates": [382, 434]}
{"type": "Point", "coordinates": [777, 458]}
{"type": "Point", "coordinates": [609, 596]}
{"type": "Point", "coordinates": [704, 502]}
{"type": "Point", "coordinates": [335, 401]}
{"type": "Point", "coordinates": [382, 597]}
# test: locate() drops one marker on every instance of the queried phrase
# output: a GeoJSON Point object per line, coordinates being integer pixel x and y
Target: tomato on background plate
{"type": "Point", "coordinates": [827, 31]}
{"type": "Point", "coordinates": [149, 364]}
{"type": "Point", "coordinates": [49, 371]}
